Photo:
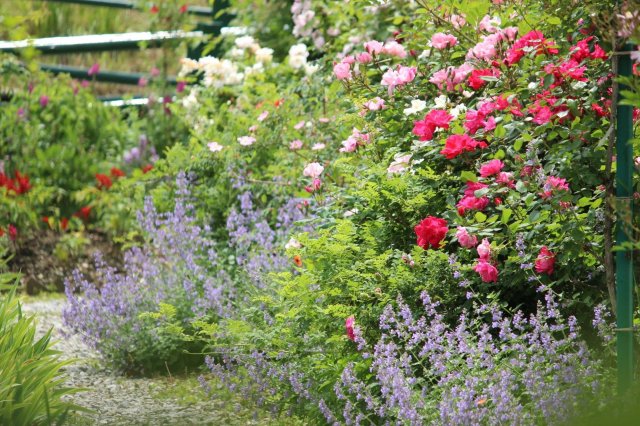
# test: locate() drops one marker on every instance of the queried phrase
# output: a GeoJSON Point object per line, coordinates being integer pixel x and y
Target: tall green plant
{"type": "Point", "coordinates": [31, 388]}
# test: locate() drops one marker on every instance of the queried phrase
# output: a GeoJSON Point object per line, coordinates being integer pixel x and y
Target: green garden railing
{"type": "Point", "coordinates": [122, 41]}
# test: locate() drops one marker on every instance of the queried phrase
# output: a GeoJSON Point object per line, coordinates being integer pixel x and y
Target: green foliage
{"type": "Point", "coordinates": [31, 382]}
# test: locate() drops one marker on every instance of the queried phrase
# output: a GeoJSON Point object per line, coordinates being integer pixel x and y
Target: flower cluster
{"type": "Point", "coordinates": [428, 371]}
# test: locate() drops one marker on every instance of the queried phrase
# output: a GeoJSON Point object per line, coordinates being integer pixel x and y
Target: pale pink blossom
{"type": "Point", "coordinates": [442, 41]}
{"type": "Point", "coordinates": [296, 144]}
{"type": "Point", "coordinates": [484, 250]}
{"type": "Point", "coordinates": [393, 48]}
{"type": "Point", "coordinates": [364, 58]}
{"type": "Point", "coordinates": [465, 239]}
{"type": "Point", "coordinates": [246, 140]}
{"type": "Point", "coordinates": [489, 24]}
{"type": "Point", "coordinates": [323, 120]}
{"type": "Point", "coordinates": [318, 146]}
{"type": "Point", "coordinates": [342, 71]}
{"type": "Point", "coordinates": [375, 104]}
{"type": "Point", "coordinates": [458, 21]}
{"type": "Point", "coordinates": [373, 47]}
{"type": "Point", "coordinates": [299, 125]}
{"type": "Point", "coordinates": [349, 60]}
{"type": "Point", "coordinates": [214, 146]}
{"type": "Point", "coordinates": [313, 170]}
{"type": "Point", "coordinates": [263, 116]}
{"type": "Point", "coordinates": [400, 164]}
{"type": "Point", "coordinates": [398, 77]}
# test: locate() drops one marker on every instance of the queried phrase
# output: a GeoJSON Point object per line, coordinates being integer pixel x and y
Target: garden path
{"type": "Point", "coordinates": [119, 400]}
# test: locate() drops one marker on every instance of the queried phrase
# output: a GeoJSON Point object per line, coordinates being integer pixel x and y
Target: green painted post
{"type": "Point", "coordinates": [624, 209]}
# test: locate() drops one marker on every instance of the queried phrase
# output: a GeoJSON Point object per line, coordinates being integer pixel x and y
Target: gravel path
{"type": "Point", "coordinates": [117, 400]}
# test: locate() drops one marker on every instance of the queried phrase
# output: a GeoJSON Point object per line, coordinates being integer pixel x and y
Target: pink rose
{"type": "Point", "coordinates": [375, 104]}
{"type": "Point", "coordinates": [545, 261]}
{"type": "Point", "coordinates": [364, 58]}
{"type": "Point", "coordinates": [349, 323]}
{"type": "Point", "coordinates": [465, 239]}
{"type": "Point", "coordinates": [393, 48]}
{"type": "Point", "coordinates": [342, 71]}
{"type": "Point", "coordinates": [373, 47]}
{"type": "Point", "coordinates": [442, 41]}
{"type": "Point", "coordinates": [313, 170]}
{"type": "Point", "coordinates": [491, 168]}
{"type": "Point", "coordinates": [95, 69]}
{"type": "Point", "coordinates": [488, 273]}
{"type": "Point", "coordinates": [484, 250]}
{"type": "Point", "coordinates": [505, 178]}
{"type": "Point", "coordinates": [431, 232]}
{"type": "Point", "coordinates": [263, 116]}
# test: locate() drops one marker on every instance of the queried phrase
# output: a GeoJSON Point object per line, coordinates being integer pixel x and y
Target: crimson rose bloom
{"type": "Point", "coordinates": [431, 231]}
{"type": "Point", "coordinates": [545, 261]}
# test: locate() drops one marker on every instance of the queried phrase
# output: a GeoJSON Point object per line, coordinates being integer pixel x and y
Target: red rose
{"type": "Point", "coordinates": [431, 231]}
{"type": "Point", "coordinates": [545, 261]}
{"type": "Point", "coordinates": [488, 273]}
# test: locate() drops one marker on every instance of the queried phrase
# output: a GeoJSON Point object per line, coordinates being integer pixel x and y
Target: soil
{"type": "Point", "coordinates": [43, 268]}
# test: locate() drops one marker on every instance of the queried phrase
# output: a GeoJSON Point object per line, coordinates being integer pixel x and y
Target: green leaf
{"type": "Point", "coordinates": [467, 176]}
{"type": "Point", "coordinates": [506, 215]}
{"type": "Point", "coordinates": [480, 217]}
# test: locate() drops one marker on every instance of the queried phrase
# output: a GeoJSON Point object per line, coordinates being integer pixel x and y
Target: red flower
{"type": "Point", "coordinates": [457, 144]}
{"type": "Point", "coordinates": [297, 260]}
{"type": "Point", "coordinates": [45, 219]}
{"type": "Point", "coordinates": [104, 181]}
{"type": "Point", "coordinates": [349, 323]}
{"type": "Point", "coordinates": [21, 183]}
{"type": "Point", "coordinates": [488, 273]}
{"type": "Point", "coordinates": [147, 168]}
{"type": "Point", "coordinates": [431, 231]}
{"type": "Point", "coordinates": [545, 261]}
{"type": "Point", "coordinates": [436, 118]}
{"type": "Point", "coordinates": [83, 213]}
{"type": "Point", "coordinates": [533, 39]}
{"type": "Point", "coordinates": [13, 232]}
{"type": "Point", "coordinates": [183, 8]}
{"type": "Point", "coordinates": [64, 223]}
{"type": "Point", "coordinates": [116, 172]}
{"type": "Point", "coordinates": [475, 80]}
{"type": "Point", "coordinates": [154, 9]}
{"type": "Point", "coordinates": [278, 102]}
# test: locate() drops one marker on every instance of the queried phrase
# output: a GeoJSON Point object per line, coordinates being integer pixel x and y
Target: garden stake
{"type": "Point", "coordinates": [624, 209]}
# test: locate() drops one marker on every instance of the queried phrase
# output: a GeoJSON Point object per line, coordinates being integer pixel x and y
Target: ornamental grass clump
{"type": "Point", "coordinates": [31, 379]}
{"type": "Point", "coordinates": [172, 278]}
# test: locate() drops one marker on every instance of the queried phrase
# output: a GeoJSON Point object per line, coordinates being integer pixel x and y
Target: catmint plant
{"type": "Point", "coordinates": [175, 265]}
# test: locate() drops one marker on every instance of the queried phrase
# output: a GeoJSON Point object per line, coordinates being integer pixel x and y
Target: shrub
{"type": "Point", "coordinates": [174, 266]}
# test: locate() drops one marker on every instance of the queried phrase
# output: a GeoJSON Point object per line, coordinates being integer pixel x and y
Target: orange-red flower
{"type": "Point", "coordinates": [297, 260]}
{"type": "Point", "coordinates": [104, 181]}
{"type": "Point", "coordinates": [116, 172]}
